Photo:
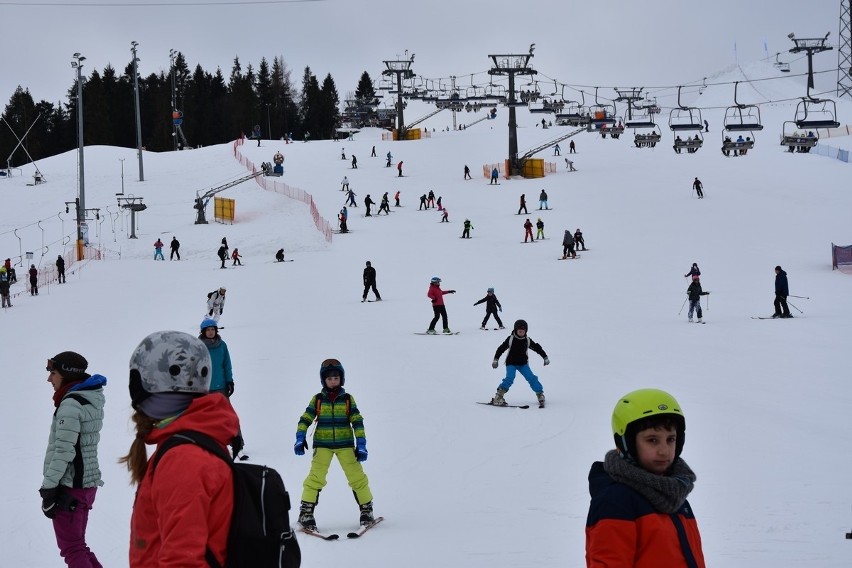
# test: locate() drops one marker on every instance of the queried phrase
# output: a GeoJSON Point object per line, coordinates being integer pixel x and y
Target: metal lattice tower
{"type": "Point", "coordinates": [844, 52]}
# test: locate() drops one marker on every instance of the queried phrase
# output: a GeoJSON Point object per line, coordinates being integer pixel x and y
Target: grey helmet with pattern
{"type": "Point", "coordinates": [169, 361]}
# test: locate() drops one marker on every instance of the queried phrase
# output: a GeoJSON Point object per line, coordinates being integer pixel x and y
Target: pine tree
{"type": "Point", "coordinates": [329, 109]}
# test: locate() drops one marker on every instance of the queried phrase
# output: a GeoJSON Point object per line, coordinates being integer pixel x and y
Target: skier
{"type": "Point", "coordinates": [370, 282]}
{"type": "Point", "coordinates": [517, 360]}
{"type": "Point", "coordinates": [339, 432]}
{"type": "Point", "coordinates": [344, 184]}
{"type": "Point", "coordinates": [523, 206]}
{"type": "Point", "coordinates": [71, 472]}
{"type": "Point", "coordinates": [694, 291]}
{"type": "Point", "coordinates": [373, 153]}
{"type": "Point", "coordinates": [492, 306]}
{"type": "Point", "coordinates": [390, 157]}
{"type": "Point", "coordinates": [384, 205]}
{"type": "Point", "coordinates": [539, 229]}
{"type": "Point", "coordinates": [396, 199]}
{"type": "Point", "coordinates": [693, 271]}
{"type": "Point", "coordinates": [4, 287]}
{"type": "Point", "coordinates": [236, 256]}
{"type": "Point", "coordinates": [578, 239]}
{"type": "Point", "coordinates": [60, 269]}
{"type": "Point", "coordinates": [528, 234]}
{"type": "Point", "coordinates": [568, 245]}
{"type": "Point", "coordinates": [221, 372]}
{"type": "Point", "coordinates": [399, 169]}
{"type": "Point", "coordinates": [33, 280]}
{"type": "Point", "coordinates": [368, 203]}
{"type": "Point", "coordinates": [557, 151]}
{"type": "Point", "coordinates": [175, 247]}
{"type": "Point", "coordinates": [782, 290]}
{"type": "Point", "coordinates": [158, 250]}
{"type": "Point", "coordinates": [351, 196]}
{"type": "Point", "coordinates": [494, 174]}
{"type": "Point", "coordinates": [467, 227]}
{"type": "Point", "coordinates": [698, 187]}
{"type": "Point", "coordinates": [430, 200]}
{"type": "Point", "coordinates": [542, 200]}
{"type": "Point", "coordinates": [467, 172]}
{"type": "Point", "coordinates": [354, 162]}
{"type": "Point", "coordinates": [436, 295]}
{"type": "Point", "coordinates": [216, 304]}
{"type": "Point", "coordinates": [643, 483]}
{"type": "Point", "coordinates": [423, 204]}
{"type": "Point", "coordinates": [10, 272]}
{"type": "Point", "coordinates": [438, 203]}
{"type": "Point", "coordinates": [343, 216]}
{"type": "Point", "coordinates": [279, 256]}
{"type": "Point", "coordinates": [572, 148]}
{"type": "Point", "coordinates": [343, 153]}
{"type": "Point", "coordinates": [223, 254]}
{"type": "Point", "coordinates": [445, 216]}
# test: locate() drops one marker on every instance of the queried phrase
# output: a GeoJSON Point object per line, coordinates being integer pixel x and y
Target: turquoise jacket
{"type": "Point", "coordinates": [221, 363]}
{"type": "Point", "coordinates": [71, 459]}
{"type": "Point", "coordinates": [335, 429]}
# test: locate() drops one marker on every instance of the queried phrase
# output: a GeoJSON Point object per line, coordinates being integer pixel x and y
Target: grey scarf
{"type": "Point", "coordinates": [667, 493]}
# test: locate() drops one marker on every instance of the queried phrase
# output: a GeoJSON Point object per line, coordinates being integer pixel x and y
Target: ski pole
{"type": "Point", "coordinates": [708, 301]}
{"type": "Point", "coordinates": [681, 307]}
{"type": "Point", "coordinates": [797, 309]}
{"type": "Point", "coordinates": [802, 297]}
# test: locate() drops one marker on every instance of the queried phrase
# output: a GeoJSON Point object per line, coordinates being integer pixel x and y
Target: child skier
{"type": "Point", "coordinates": [528, 231]}
{"type": "Point", "coordinates": [467, 227]}
{"type": "Point", "coordinates": [440, 311]}
{"type": "Point", "coordinates": [492, 305]}
{"type": "Point", "coordinates": [334, 436]}
{"type": "Point", "coordinates": [568, 245]}
{"type": "Point", "coordinates": [695, 294]}
{"type": "Point", "coordinates": [236, 256]}
{"type": "Point", "coordinates": [517, 360]}
{"type": "Point", "coordinates": [539, 229]}
{"type": "Point", "coordinates": [639, 515]}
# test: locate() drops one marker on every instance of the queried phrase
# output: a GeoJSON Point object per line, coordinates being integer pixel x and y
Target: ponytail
{"type": "Point", "coordinates": [137, 458]}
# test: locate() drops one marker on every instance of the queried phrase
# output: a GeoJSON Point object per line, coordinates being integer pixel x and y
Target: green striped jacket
{"type": "Point", "coordinates": [335, 429]}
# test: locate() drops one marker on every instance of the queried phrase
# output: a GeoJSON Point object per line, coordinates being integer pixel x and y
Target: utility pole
{"type": "Point", "coordinates": [77, 64]}
{"type": "Point", "coordinates": [172, 57]}
{"type": "Point", "coordinates": [401, 69]}
{"type": "Point", "coordinates": [844, 52]}
{"type": "Point", "coordinates": [512, 65]}
{"type": "Point", "coordinates": [133, 46]}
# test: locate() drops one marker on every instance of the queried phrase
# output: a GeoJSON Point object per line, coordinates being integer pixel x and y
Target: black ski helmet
{"type": "Point", "coordinates": [521, 324]}
{"type": "Point", "coordinates": [327, 367]}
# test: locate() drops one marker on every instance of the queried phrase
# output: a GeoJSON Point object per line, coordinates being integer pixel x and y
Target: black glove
{"type": "Point", "coordinates": [210, 313]}
{"type": "Point", "coordinates": [221, 311]}
{"type": "Point", "coordinates": [451, 291]}
{"type": "Point", "coordinates": [55, 500]}
{"type": "Point", "coordinates": [237, 444]}
{"type": "Point", "coordinates": [229, 389]}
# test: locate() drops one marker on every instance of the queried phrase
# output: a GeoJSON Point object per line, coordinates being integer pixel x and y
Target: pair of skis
{"type": "Point", "coordinates": [354, 534]}
{"type": "Point", "coordinates": [524, 406]}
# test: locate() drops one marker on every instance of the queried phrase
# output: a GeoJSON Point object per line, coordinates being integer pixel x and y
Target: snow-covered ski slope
{"type": "Point", "coordinates": [766, 402]}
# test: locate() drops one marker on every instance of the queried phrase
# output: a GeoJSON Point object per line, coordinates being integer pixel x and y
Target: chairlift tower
{"type": "Point", "coordinates": [401, 69]}
{"type": "Point", "coordinates": [77, 64]}
{"type": "Point", "coordinates": [177, 116]}
{"type": "Point", "coordinates": [844, 52]}
{"type": "Point", "coordinates": [630, 96]}
{"type": "Point", "coordinates": [810, 46]}
{"type": "Point", "coordinates": [512, 65]}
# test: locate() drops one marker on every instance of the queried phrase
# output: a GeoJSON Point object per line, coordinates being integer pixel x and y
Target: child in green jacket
{"type": "Point", "coordinates": [339, 432]}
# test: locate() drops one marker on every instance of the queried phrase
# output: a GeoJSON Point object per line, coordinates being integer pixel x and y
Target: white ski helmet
{"type": "Point", "coordinates": [169, 361]}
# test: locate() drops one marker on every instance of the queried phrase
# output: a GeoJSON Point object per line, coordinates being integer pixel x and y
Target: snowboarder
{"type": "Point", "coordinates": [343, 153]}
{"type": "Point", "coordinates": [399, 169]}
{"type": "Point", "coordinates": [333, 436]}
{"type": "Point", "coordinates": [572, 148]}
{"type": "Point", "coordinates": [570, 165]}
{"type": "Point", "coordinates": [631, 484]}
{"type": "Point", "coordinates": [782, 290]}
{"type": "Point", "coordinates": [494, 174]}
{"type": "Point", "coordinates": [436, 295]}
{"type": "Point", "coordinates": [216, 304]}
{"type": "Point", "coordinates": [354, 162]}
{"type": "Point", "coordinates": [279, 256]}
{"type": "Point", "coordinates": [370, 282]}
{"type": "Point", "coordinates": [698, 187]}
{"type": "Point", "coordinates": [523, 206]}
{"type": "Point", "coordinates": [539, 229]}
{"type": "Point", "coordinates": [423, 204]}
{"type": "Point", "coordinates": [492, 306]}
{"type": "Point", "coordinates": [528, 234]}
{"type": "Point", "coordinates": [158, 250]}
{"type": "Point", "coordinates": [175, 248]}
{"type": "Point", "coordinates": [542, 200]}
{"type": "Point", "coordinates": [236, 256]}
{"type": "Point", "coordinates": [578, 240]}
{"type": "Point", "coordinates": [33, 280]}
{"type": "Point", "coordinates": [557, 151]}
{"type": "Point", "coordinates": [467, 227]}
{"type": "Point", "coordinates": [60, 269]}
{"type": "Point", "coordinates": [517, 360]}
{"type": "Point", "coordinates": [695, 292]}
{"type": "Point", "coordinates": [568, 245]}
{"type": "Point", "coordinates": [368, 203]}
{"type": "Point", "coordinates": [467, 172]}
{"type": "Point", "coordinates": [693, 271]}
{"type": "Point", "coordinates": [445, 216]}
{"type": "Point", "coordinates": [430, 200]}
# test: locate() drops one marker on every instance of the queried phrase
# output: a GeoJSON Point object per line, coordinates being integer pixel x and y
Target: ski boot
{"type": "Point", "coordinates": [483, 327]}
{"type": "Point", "coordinates": [430, 332]}
{"type": "Point", "coordinates": [447, 331]}
{"type": "Point", "coordinates": [690, 320]}
{"type": "Point", "coordinates": [540, 397]}
{"type": "Point", "coordinates": [306, 516]}
{"type": "Point", "coordinates": [699, 320]}
{"type": "Point", "coordinates": [501, 327]}
{"type": "Point", "coordinates": [498, 399]}
{"type": "Point", "coordinates": [367, 514]}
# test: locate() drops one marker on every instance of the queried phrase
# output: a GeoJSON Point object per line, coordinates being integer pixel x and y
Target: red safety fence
{"type": "Point", "coordinates": [48, 274]}
{"type": "Point", "coordinates": [270, 184]}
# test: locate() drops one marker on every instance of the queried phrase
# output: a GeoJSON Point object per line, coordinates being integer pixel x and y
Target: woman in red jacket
{"type": "Point", "coordinates": [183, 508]}
{"type": "Point", "coordinates": [639, 516]}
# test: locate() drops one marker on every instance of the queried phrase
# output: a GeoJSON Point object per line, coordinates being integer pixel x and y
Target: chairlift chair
{"type": "Point", "coordinates": [798, 140]}
{"type": "Point", "coordinates": [684, 118]}
{"type": "Point", "coordinates": [814, 113]}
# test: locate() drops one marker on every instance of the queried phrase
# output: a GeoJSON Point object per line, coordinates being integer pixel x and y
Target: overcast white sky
{"type": "Point", "coordinates": [605, 42]}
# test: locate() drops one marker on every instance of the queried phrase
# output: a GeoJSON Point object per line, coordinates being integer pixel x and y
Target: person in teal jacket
{"type": "Point", "coordinates": [222, 379]}
{"type": "Point", "coordinates": [72, 474]}
{"type": "Point", "coordinates": [339, 432]}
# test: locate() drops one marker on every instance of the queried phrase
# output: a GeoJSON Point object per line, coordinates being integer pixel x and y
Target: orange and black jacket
{"type": "Point", "coordinates": [623, 530]}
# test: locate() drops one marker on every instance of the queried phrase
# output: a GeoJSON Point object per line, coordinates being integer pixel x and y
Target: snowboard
{"type": "Point", "coordinates": [568, 258]}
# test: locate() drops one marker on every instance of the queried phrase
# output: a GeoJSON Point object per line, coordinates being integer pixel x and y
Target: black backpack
{"type": "Point", "coordinates": [260, 534]}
